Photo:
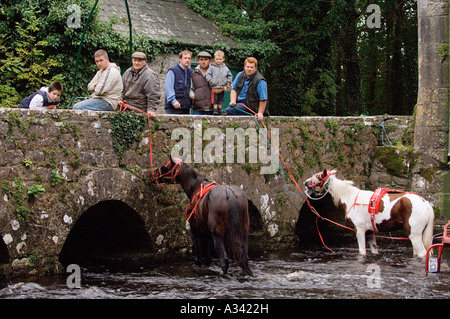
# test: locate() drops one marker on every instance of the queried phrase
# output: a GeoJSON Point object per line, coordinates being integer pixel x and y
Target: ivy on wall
{"type": "Point", "coordinates": [125, 129]}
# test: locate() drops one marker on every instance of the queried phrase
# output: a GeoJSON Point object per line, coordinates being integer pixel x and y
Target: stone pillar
{"type": "Point", "coordinates": [431, 134]}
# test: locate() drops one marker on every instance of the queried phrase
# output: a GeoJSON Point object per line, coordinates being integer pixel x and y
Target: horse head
{"type": "Point", "coordinates": [317, 184]}
{"type": "Point", "coordinates": [168, 172]}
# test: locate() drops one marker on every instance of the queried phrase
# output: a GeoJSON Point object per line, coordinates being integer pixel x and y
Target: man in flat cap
{"type": "Point", "coordinates": [141, 87]}
{"type": "Point", "coordinates": [200, 92]}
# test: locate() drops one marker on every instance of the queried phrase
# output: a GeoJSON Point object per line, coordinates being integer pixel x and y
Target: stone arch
{"type": "Point", "coordinates": [102, 191]}
{"type": "Point", "coordinates": [306, 228]}
{"type": "Point", "coordinates": [257, 233]}
{"type": "Point", "coordinates": [108, 231]}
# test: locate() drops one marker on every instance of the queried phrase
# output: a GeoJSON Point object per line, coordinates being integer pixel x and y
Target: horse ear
{"type": "Point", "coordinates": [175, 160]}
{"type": "Point", "coordinates": [333, 172]}
{"type": "Point", "coordinates": [324, 173]}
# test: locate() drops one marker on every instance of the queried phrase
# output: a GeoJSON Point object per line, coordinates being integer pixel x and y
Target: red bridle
{"type": "Point", "coordinates": [321, 180]}
{"type": "Point", "coordinates": [172, 173]}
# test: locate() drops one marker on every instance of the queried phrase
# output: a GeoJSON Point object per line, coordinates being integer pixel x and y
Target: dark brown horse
{"type": "Point", "coordinates": [218, 215]}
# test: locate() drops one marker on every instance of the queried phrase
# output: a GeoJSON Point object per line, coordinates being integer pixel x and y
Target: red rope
{"type": "Point", "coordinates": [204, 189]}
{"type": "Point", "coordinates": [307, 200]}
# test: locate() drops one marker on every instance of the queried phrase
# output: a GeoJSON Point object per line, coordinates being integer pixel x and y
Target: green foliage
{"type": "Point", "coordinates": [23, 63]}
{"type": "Point", "coordinates": [319, 57]}
{"type": "Point", "coordinates": [56, 178]}
{"type": "Point", "coordinates": [37, 47]}
{"type": "Point", "coordinates": [321, 54]}
{"type": "Point", "coordinates": [443, 51]}
{"type": "Point", "coordinates": [125, 129]}
{"type": "Point", "coordinates": [15, 190]}
{"type": "Point", "coordinates": [28, 163]}
{"type": "Point", "coordinates": [244, 23]}
{"type": "Point", "coordinates": [33, 191]}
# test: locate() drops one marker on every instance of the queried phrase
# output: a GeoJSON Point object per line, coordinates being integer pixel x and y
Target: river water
{"type": "Point", "coordinates": [293, 274]}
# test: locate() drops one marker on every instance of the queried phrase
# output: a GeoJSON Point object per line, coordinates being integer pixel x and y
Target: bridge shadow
{"type": "Point", "coordinates": [4, 255]}
{"type": "Point", "coordinates": [108, 233]}
{"type": "Point", "coordinates": [257, 232]}
{"type": "Point", "coordinates": [308, 225]}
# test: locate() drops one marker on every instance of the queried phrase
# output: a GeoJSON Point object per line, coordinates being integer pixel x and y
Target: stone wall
{"type": "Point", "coordinates": [432, 137]}
{"type": "Point", "coordinates": [55, 166]}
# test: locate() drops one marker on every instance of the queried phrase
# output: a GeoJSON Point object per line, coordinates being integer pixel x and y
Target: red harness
{"type": "Point", "coordinates": [374, 204]}
{"type": "Point", "coordinates": [204, 189]}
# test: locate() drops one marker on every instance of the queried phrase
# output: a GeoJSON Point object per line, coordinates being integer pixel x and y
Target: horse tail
{"type": "Point", "coordinates": [427, 235]}
{"type": "Point", "coordinates": [237, 230]}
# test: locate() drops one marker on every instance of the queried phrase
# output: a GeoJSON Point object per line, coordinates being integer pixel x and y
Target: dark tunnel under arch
{"type": "Point", "coordinates": [306, 229]}
{"type": "Point", "coordinates": [110, 232]}
{"type": "Point", "coordinates": [4, 254]}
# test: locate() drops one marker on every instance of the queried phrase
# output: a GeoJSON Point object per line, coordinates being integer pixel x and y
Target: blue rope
{"type": "Point", "coordinates": [383, 134]}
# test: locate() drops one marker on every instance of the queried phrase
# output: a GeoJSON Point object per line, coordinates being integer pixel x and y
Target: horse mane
{"type": "Point", "coordinates": [194, 180]}
{"type": "Point", "coordinates": [341, 188]}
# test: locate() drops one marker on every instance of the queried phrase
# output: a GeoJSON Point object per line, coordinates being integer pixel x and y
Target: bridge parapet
{"type": "Point", "coordinates": [67, 171]}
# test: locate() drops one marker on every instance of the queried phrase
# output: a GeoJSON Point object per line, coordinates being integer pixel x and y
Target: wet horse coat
{"type": "Point", "coordinates": [220, 220]}
{"type": "Point", "coordinates": [395, 211]}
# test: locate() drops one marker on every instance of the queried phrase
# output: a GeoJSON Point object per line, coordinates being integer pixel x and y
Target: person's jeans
{"type": "Point", "coordinates": [238, 109]}
{"type": "Point", "coordinates": [93, 105]}
{"type": "Point", "coordinates": [178, 111]}
{"type": "Point", "coordinates": [194, 112]}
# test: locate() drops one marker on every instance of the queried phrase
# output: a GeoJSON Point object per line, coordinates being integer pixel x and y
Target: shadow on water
{"type": "Point", "coordinates": [288, 274]}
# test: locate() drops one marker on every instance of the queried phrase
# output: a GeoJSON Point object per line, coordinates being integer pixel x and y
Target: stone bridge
{"type": "Point", "coordinates": [76, 186]}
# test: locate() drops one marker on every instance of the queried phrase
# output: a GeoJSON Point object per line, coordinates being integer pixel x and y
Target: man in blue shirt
{"type": "Point", "coordinates": [250, 89]}
{"type": "Point", "coordinates": [178, 84]}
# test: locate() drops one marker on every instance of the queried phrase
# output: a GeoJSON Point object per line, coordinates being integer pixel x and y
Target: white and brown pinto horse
{"type": "Point", "coordinates": [396, 210]}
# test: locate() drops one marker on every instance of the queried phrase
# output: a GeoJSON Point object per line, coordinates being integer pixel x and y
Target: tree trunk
{"type": "Point", "coordinates": [351, 63]}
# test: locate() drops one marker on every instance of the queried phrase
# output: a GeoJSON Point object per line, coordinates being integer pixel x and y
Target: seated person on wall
{"type": "Point", "coordinates": [141, 88]}
{"type": "Point", "coordinates": [46, 98]}
{"type": "Point", "coordinates": [250, 89]}
{"type": "Point", "coordinates": [106, 86]}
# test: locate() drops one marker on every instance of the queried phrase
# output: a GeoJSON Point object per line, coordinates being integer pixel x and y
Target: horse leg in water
{"type": "Point", "coordinates": [361, 236]}
{"type": "Point", "coordinates": [416, 241]}
{"type": "Point", "coordinates": [207, 249]}
{"type": "Point", "coordinates": [196, 247]}
{"type": "Point", "coordinates": [373, 244]}
{"type": "Point", "coordinates": [219, 245]}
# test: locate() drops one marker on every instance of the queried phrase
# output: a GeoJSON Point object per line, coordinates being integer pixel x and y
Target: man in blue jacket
{"type": "Point", "coordinates": [178, 84]}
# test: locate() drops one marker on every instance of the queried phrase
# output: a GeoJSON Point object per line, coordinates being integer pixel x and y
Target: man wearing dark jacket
{"type": "Point", "coordinates": [250, 89]}
{"type": "Point", "coordinates": [200, 92]}
{"type": "Point", "coordinates": [178, 85]}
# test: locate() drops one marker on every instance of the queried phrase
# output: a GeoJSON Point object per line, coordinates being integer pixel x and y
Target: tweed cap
{"type": "Point", "coordinates": [204, 54]}
{"type": "Point", "coordinates": [139, 55]}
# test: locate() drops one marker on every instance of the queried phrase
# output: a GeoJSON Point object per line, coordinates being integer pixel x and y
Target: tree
{"type": "Point", "coordinates": [320, 57]}
{"type": "Point", "coordinates": [23, 64]}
